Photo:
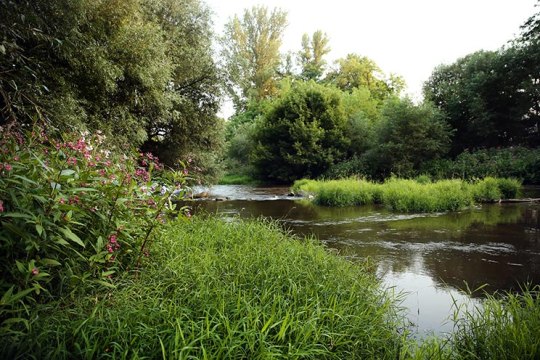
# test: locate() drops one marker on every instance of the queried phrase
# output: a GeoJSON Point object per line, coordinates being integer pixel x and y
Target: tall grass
{"type": "Point", "coordinates": [499, 328]}
{"type": "Point", "coordinates": [408, 195]}
{"type": "Point", "coordinates": [216, 290]}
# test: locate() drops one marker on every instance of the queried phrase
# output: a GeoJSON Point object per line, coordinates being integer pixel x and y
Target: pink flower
{"type": "Point", "coordinates": [7, 167]}
{"type": "Point", "coordinates": [112, 239]}
{"type": "Point", "coordinates": [1, 206]}
{"type": "Point", "coordinates": [35, 271]}
{"type": "Point", "coordinates": [16, 158]}
{"type": "Point", "coordinates": [72, 161]}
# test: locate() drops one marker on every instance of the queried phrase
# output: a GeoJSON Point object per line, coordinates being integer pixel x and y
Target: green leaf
{"type": "Point", "coordinates": [50, 262]}
{"type": "Point", "coordinates": [39, 229]}
{"type": "Point", "coordinates": [25, 179]}
{"type": "Point", "coordinates": [17, 215]}
{"type": "Point", "coordinates": [67, 172]}
{"type": "Point", "coordinates": [107, 273]}
{"type": "Point", "coordinates": [72, 236]}
{"type": "Point", "coordinates": [105, 283]}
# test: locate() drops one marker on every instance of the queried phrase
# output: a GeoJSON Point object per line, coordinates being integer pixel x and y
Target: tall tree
{"type": "Point", "coordinates": [139, 69]}
{"type": "Point", "coordinates": [311, 57]}
{"type": "Point", "coordinates": [355, 71]}
{"type": "Point", "coordinates": [250, 49]}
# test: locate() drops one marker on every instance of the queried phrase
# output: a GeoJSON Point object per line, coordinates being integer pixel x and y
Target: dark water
{"type": "Point", "coordinates": [429, 256]}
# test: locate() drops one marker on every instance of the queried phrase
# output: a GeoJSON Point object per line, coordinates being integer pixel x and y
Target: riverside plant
{"type": "Point", "coordinates": [73, 215]}
{"type": "Point", "coordinates": [406, 195]}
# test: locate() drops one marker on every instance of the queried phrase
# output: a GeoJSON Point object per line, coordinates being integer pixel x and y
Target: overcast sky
{"type": "Point", "coordinates": [406, 37]}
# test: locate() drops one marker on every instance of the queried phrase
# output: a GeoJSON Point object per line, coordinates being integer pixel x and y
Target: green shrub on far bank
{"type": "Point", "coordinates": [222, 290]}
{"type": "Point", "coordinates": [408, 195]}
{"type": "Point", "coordinates": [517, 162]}
{"type": "Point", "coordinates": [237, 179]}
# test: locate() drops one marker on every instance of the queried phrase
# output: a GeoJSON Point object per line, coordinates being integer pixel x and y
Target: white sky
{"type": "Point", "coordinates": [406, 37]}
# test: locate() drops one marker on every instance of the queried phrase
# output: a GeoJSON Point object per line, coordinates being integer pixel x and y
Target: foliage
{"type": "Point", "coordinates": [407, 136]}
{"type": "Point", "coordinates": [73, 215]}
{"type": "Point", "coordinates": [355, 71]}
{"type": "Point", "coordinates": [141, 70]}
{"type": "Point", "coordinates": [311, 57]}
{"type": "Point", "coordinates": [226, 290]}
{"type": "Point", "coordinates": [501, 327]}
{"type": "Point", "coordinates": [302, 134]}
{"type": "Point", "coordinates": [404, 195]}
{"type": "Point", "coordinates": [491, 99]}
{"type": "Point", "coordinates": [236, 179]}
{"type": "Point", "coordinates": [250, 50]}
{"type": "Point", "coordinates": [515, 162]}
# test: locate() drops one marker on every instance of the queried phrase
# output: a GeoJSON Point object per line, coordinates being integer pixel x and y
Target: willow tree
{"type": "Point", "coordinates": [251, 52]}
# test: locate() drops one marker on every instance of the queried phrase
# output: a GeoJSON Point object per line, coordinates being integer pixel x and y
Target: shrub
{"type": "Point", "coordinates": [73, 214]}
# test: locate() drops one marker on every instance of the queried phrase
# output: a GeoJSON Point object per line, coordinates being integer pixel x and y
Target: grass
{"type": "Point", "coordinates": [237, 179]}
{"type": "Point", "coordinates": [216, 290]}
{"type": "Point", "coordinates": [501, 328]}
{"type": "Point", "coordinates": [246, 290]}
{"type": "Point", "coordinates": [408, 195]}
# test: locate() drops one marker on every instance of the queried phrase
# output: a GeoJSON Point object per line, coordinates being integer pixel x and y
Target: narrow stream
{"type": "Point", "coordinates": [431, 257]}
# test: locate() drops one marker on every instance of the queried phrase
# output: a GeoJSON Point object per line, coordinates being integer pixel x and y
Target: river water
{"type": "Point", "coordinates": [428, 257]}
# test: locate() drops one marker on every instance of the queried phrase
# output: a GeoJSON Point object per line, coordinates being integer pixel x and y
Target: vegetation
{"type": "Point", "coordinates": [236, 179]}
{"type": "Point", "coordinates": [225, 290]}
{"type": "Point", "coordinates": [408, 195]}
{"type": "Point", "coordinates": [502, 327]}
{"type": "Point", "coordinates": [141, 70]}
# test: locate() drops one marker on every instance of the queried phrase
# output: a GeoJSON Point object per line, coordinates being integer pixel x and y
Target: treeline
{"type": "Point", "coordinates": [296, 116]}
{"type": "Point", "coordinates": [139, 70]}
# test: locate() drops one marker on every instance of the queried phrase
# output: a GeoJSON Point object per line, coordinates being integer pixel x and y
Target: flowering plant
{"type": "Point", "coordinates": [75, 213]}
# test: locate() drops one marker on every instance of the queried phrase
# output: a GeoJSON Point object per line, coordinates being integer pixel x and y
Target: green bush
{"type": "Point", "coordinates": [73, 214]}
{"type": "Point", "coordinates": [221, 290]}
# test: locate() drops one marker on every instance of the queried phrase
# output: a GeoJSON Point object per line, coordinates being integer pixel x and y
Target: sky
{"type": "Point", "coordinates": [406, 37]}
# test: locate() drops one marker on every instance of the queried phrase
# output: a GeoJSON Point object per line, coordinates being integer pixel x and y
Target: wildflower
{"type": "Point", "coordinates": [16, 158]}
{"type": "Point", "coordinates": [72, 161]}
{"type": "Point", "coordinates": [7, 167]}
{"type": "Point", "coordinates": [112, 239]}
{"type": "Point", "coordinates": [1, 206]}
{"type": "Point", "coordinates": [186, 171]}
{"type": "Point", "coordinates": [35, 271]}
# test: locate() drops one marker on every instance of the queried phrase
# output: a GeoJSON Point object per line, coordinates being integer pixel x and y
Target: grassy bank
{"type": "Point", "coordinates": [408, 195]}
{"type": "Point", "coordinates": [502, 328]}
{"type": "Point", "coordinates": [224, 290]}
{"type": "Point", "coordinates": [237, 179]}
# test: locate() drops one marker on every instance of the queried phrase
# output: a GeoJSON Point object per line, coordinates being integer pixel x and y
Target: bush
{"type": "Point", "coordinates": [73, 215]}
{"type": "Point", "coordinates": [516, 162]}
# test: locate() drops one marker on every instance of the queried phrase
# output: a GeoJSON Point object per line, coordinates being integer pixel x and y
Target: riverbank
{"type": "Point", "coordinates": [215, 289]}
{"type": "Point", "coordinates": [404, 195]}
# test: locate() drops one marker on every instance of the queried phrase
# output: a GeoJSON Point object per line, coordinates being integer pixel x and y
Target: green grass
{"type": "Point", "coordinates": [237, 179]}
{"type": "Point", "coordinates": [216, 290]}
{"type": "Point", "coordinates": [501, 328]}
{"type": "Point", "coordinates": [408, 195]}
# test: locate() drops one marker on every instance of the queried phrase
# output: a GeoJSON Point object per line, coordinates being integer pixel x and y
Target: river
{"type": "Point", "coordinates": [431, 258]}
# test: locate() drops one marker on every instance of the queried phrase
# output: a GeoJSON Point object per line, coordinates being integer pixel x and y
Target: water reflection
{"type": "Point", "coordinates": [431, 256]}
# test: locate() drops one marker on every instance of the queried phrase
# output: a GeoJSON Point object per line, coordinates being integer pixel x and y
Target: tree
{"type": "Point", "coordinates": [250, 49]}
{"type": "Point", "coordinates": [355, 71]}
{"type": "Point", "coordinates": [408, 136]}
{"type": "Point", "coordinates": [302, 134]}
{"type": "Point", "coordinates": [139, 69]}
{"type": "Point", "coordinates": [311, 57]}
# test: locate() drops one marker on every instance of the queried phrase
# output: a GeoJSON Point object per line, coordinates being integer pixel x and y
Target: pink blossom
{"type": "Point", "coordinates": [8, 167]}
{"type": "Point", "coordinates": [112, 239]}
{"type": "Point", "coordinates": [35, 271]}
{"type": "Point", "coordinates": [1, 206]}
{"type": "Point", "coordinates": [72, 161]}
{"type": "Point", "coordinates": [16, 158]}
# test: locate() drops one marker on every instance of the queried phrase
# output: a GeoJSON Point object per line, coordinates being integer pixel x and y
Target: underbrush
{"type": "Point", "coordinates": [220, 290]}
{"type": "Point", "coordinates": [404, 195]}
